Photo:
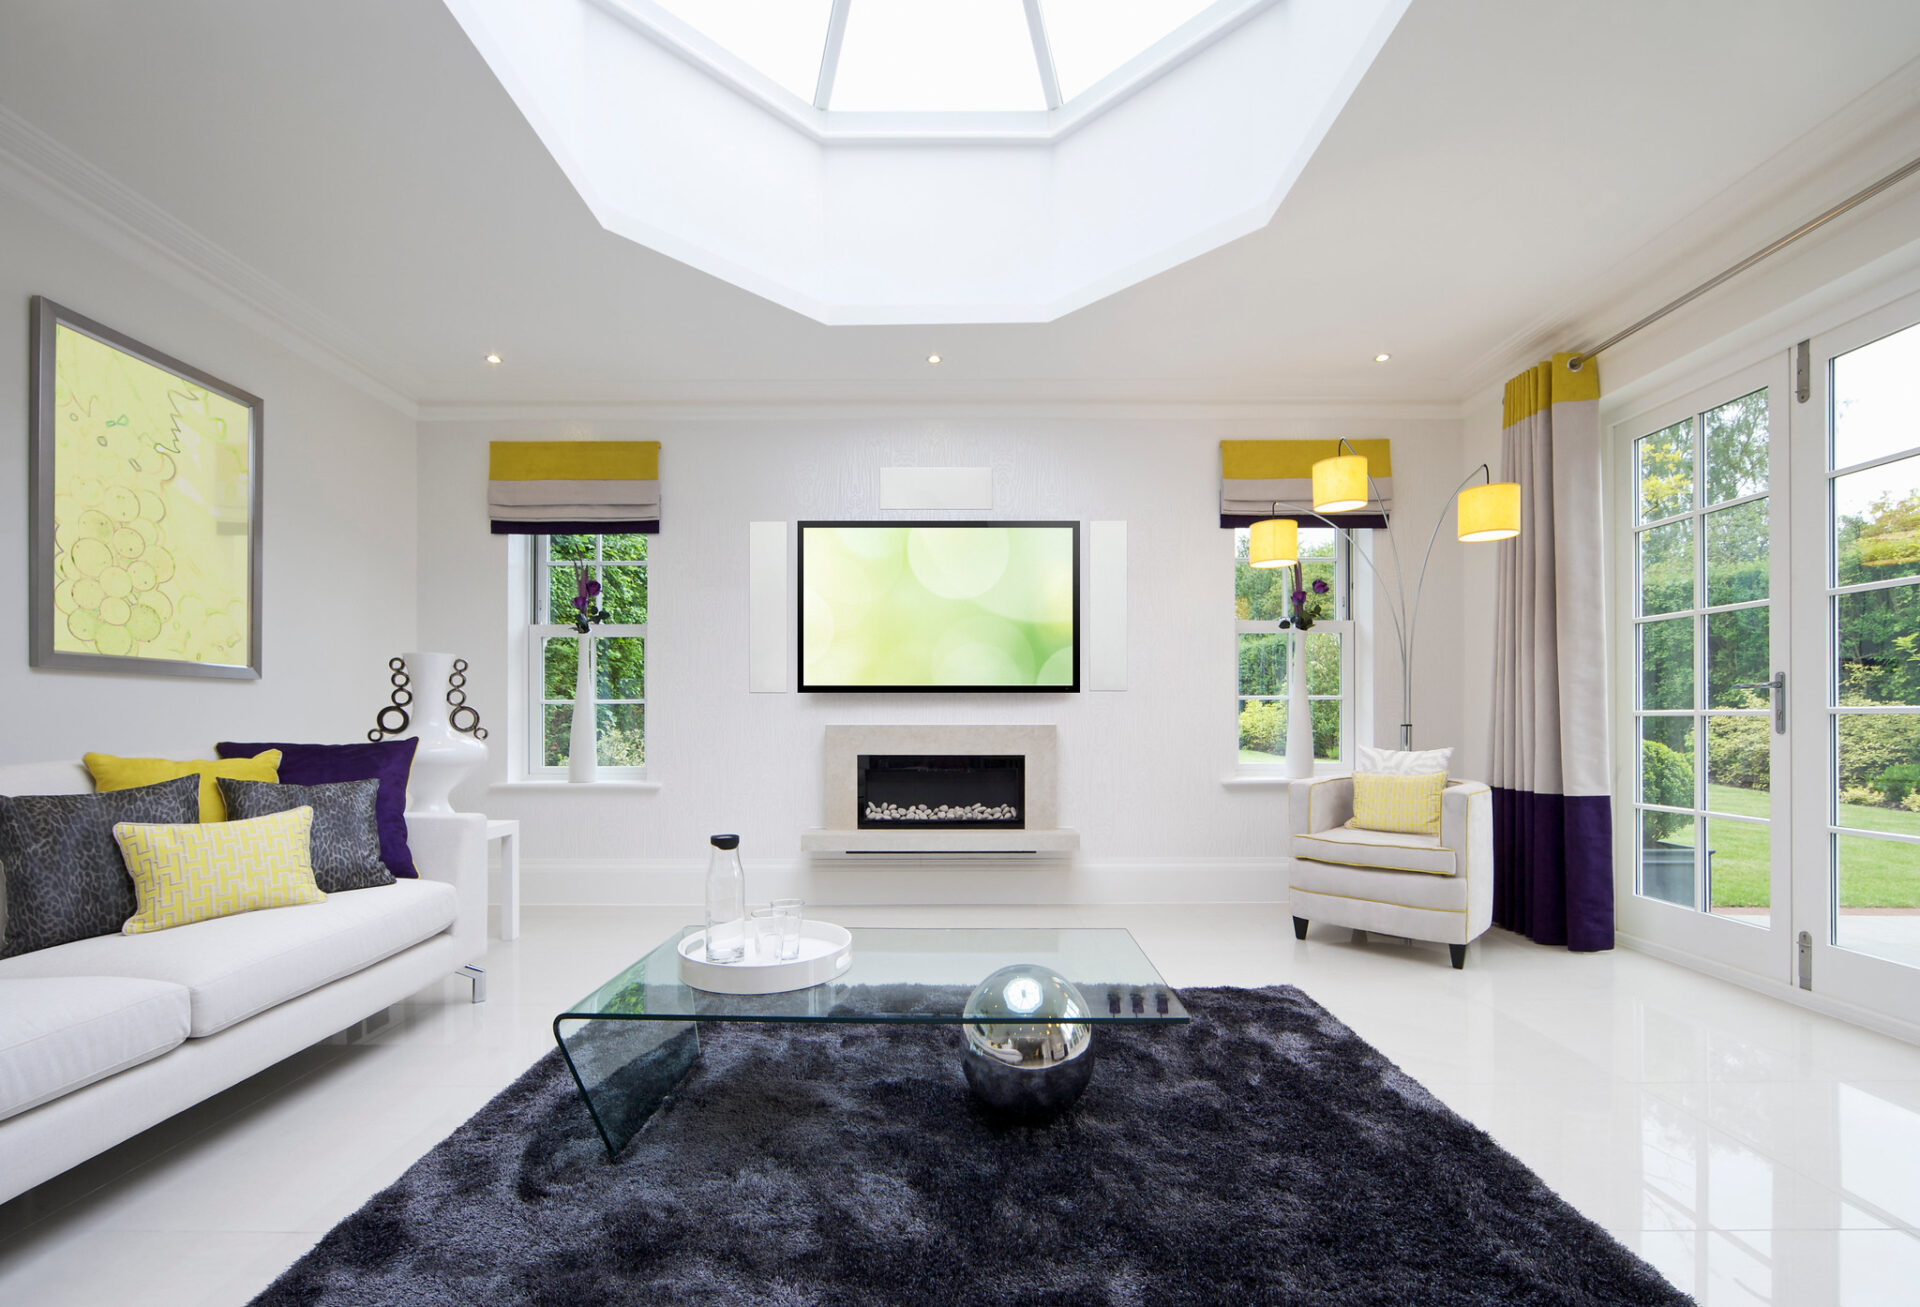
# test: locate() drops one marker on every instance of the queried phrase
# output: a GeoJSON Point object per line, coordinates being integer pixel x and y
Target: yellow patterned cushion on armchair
{"type": "Point", "coordinates": [183, 874]}
{"type": "Point", "coordinates": [1398, 805]}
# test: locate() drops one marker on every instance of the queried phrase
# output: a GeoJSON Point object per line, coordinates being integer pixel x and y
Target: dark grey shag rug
{"type": "Point", "coordinates": [1262, 1154]}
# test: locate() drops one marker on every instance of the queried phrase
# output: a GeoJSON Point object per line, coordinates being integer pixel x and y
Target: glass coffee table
{"type": "Point", "coordinates": [631, 1041]}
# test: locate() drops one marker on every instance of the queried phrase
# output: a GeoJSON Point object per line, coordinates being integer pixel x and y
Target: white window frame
{"type": "Point", "coordinates": [535, 632]}
{"type": "Point", "coordinates": [1344, 624]}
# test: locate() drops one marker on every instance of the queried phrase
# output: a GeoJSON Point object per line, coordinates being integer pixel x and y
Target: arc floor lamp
{"type": "Point", "coordinates": [1489, 511]}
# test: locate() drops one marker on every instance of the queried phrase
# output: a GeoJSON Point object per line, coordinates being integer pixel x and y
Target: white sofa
{"type": "Point", "coordinates": [104, 1037]}
{"type": "Point", "coordinates": [1431, 887]}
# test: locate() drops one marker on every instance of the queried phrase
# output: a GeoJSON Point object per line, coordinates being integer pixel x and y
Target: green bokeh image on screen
{"type": "Point", "coordinates": [948, 606]}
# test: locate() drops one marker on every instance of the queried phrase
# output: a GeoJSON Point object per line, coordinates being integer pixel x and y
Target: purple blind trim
{"type": "Point", "coordinates": [1346, 521]}
{"type": "Point", "coordinates": [1553, 867]}
{"type": "Point", "coordinates": [640, 528]}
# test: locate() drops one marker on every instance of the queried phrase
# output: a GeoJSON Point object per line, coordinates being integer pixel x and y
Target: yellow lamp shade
{"type": "Point", "coordinates": [1340, 483]}
{"type": "Point", "coordinates": [1490, 512]}
{"type": "Point", "coordinates": [1274, 543]}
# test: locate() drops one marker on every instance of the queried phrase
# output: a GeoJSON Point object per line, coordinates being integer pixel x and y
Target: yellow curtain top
{"type": "Point", "coordinates": [573, 460]}
{"type": "Point", "coordinates": [1547, 384]}
{"type": "Point", "coordinates": [1266, 460]}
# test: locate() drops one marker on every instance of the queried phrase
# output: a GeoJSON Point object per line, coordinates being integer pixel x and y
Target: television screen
{"type": "Point", "coordinates": [940, 606]}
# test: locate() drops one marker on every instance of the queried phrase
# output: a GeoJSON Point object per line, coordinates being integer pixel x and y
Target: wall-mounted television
{"type": "Point", "coordinates": [940, 606]}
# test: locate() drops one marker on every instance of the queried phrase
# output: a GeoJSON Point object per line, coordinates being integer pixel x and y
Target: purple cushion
{"type": "Point", "coordinates": [322, 764]}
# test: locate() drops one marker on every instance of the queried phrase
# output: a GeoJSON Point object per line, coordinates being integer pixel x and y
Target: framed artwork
{"type": "Point", "coordinates": [145, 515]}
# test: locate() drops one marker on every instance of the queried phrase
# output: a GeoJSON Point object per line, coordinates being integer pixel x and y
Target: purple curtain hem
{"type": "Point", "coordinates": [1553, 867]}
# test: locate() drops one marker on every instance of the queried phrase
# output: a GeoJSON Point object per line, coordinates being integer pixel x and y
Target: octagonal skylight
{"type": "Point", "coordinates": [884, 161]}
{"type": "Point", "coordinates": [940, 56]}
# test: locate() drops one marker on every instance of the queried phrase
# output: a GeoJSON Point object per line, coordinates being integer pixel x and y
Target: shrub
{"type": "Point", "coordinates": [1666, 778]}
{"type": "Point", "coordinates": [1738, 751]}
{"type": "Point", "coordinates": [1263, 726]}
{"type": "Point", "coordinates": [1897, 782]}
{"type": "Point", "coordinates": [1911, 803]}
{"type": "Point", "coordinates": [1859, 796]}
{"type": "Point", "coordinates": [1874, 743]}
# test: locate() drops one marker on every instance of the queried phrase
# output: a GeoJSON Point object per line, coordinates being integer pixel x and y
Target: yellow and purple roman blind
{"type": "Point", "coordinates": [1257, 474]}
{"type": "Point", "coordinates": [588, 487]}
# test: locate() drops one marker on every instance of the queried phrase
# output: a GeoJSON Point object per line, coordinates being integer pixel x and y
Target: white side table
{"type": "Point", "coordinates": [508, 833]}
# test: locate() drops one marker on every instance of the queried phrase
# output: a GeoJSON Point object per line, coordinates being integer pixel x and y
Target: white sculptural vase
{"type": "Point", "coordinates": [583, 744]}
{"type": "Point", "coordinates": [1299, 712]}
{"type": "Point", "coordinates": [444, 756]}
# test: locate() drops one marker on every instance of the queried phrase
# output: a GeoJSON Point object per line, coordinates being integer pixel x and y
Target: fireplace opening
{"type": "Point", "coordinates": [933, 791]}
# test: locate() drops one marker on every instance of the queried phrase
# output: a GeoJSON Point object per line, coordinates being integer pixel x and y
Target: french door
{"type": "Point", "coordinates": [1770, 651]}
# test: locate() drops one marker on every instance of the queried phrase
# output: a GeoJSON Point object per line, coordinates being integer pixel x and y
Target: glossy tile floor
{"type": "Point", "coordinates": [1752, 1151]}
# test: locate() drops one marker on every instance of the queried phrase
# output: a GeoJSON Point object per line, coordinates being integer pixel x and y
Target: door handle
{"type": "Point", "coordinates": [1778, 687]}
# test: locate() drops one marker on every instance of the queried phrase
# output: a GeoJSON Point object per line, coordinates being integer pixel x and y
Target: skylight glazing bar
{"type": "Point", "coordinates": [1043, 54]}
{"type": "Point", "coordinates": [830, 56]}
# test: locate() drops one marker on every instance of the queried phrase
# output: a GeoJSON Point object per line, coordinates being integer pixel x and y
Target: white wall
{"type": "Point", "coordinates": [339, 531]}
{"type": "Point", "coordinates": [1142, 769]}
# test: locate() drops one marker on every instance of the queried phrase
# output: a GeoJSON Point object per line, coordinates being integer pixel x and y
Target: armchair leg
{"type": "Point", "coordinates": [1458, 952]}
{"type": "Point", "coordinates": [1299, 927]}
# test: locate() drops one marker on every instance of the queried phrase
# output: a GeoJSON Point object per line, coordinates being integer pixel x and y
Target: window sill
{"type": "Point", "coordinates": [611, 786]}
{"type": "Point", "coordinates": [1276, 781]}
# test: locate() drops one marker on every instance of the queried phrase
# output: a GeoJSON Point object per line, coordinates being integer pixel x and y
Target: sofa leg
{"type": "Point", "coordinates": [1458, 952]}
{"type": "Point", "coordinates": [1299, 927]}
{"type": "Point", "coordinates": [478, 975]}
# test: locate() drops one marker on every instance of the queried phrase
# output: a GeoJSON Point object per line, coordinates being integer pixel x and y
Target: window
{"type": "Point", "coordinates": [1261, 650]}
{"type": "Point", "coordinates": [619, 564]}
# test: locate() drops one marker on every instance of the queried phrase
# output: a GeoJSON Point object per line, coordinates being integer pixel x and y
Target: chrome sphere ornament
{"type": "Point", "coordinates": [1029, 1049]}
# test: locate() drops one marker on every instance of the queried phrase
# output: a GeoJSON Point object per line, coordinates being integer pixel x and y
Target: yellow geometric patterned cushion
{"type": "Point", "coordinates": [1402, 805]}
{"type": "Point", "coordinates": [183, 874]}
{"type": "Point", "coordinates": [111, 773]}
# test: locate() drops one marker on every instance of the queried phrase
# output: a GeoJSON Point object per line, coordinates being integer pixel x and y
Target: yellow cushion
{"type": "Point", "coordinates": [111, 773]}
{"type": "Point", "coordinates": [1402, 805]}
{"type": "Point", "coordinates": [183, 874]}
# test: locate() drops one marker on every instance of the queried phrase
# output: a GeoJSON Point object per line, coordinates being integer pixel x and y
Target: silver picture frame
{"type": "Point", "coordinates": [43, 550]}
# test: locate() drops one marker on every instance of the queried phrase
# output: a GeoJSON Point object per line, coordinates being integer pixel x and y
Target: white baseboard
{"type": "Point", "coordinates": [883, 880]}
{"type": "Point", "coordinates": [1812, 1000]}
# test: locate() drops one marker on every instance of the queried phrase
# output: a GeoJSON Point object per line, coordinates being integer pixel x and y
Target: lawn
{"type": "Point", "coordinates": [1873, 873]}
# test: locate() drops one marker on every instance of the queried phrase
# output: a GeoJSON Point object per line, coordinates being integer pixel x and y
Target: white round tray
{"type": "Point", "coordinates": [826, 950]}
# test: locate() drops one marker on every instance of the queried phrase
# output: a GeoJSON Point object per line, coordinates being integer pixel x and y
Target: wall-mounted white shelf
{"type": "Point", "coordinates": [940, 841]}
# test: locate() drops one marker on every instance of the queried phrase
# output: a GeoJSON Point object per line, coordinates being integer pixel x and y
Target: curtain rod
{"type": "Point", "coordinates": [1858, 198]}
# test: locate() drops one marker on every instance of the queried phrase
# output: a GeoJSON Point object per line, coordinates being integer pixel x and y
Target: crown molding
{"type": "Point", "coordinates": [842, 408]}
{"type": "Point", "coordinates": [48, 175]}
{"type": "Point", "coordinates": [1861, 142]}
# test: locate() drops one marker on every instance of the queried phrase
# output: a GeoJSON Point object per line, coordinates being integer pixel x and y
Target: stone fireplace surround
{"type": "Point", "coordinates": [1038, 745]}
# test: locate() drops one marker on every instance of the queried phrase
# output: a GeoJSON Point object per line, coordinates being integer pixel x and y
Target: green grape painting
{"type": "Point", "coordinates": [151, 510]}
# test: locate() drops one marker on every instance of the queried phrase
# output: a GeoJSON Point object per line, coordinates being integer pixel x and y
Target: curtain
{"type": "Point", "coordinates": [566, 487]}
{"type": "Point", "coordinates": [1257, 474]}
{"type": "Point", "coordinates": [1552, 814]}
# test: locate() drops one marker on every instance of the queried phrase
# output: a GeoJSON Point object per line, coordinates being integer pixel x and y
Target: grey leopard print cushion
{"type": "Point", "coordinates": [346, 826]}
{"type": "Point", "coordinates": [64, 875]}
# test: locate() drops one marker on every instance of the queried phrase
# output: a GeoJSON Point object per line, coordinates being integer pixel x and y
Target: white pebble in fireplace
{"type": "Point", "coordinates": [944, 812]}
{"type": "Point", "coordinates": [943, 828]}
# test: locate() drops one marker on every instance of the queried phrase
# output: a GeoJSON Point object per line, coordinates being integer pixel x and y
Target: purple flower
{"type": "Point", "coordinates": [593, 587]}
{"type": "Point", "coordinates": [580, 602]}
{"type": "Point", "coordinates": [1320, 587]}
{"type": "Point", "coordinates": [1299, 596]}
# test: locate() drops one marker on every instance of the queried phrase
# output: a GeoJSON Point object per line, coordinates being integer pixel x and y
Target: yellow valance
{"type": "Point", "coordinates": [555, 487]}
{"type": "Point", "coordinates": [1257, 475]}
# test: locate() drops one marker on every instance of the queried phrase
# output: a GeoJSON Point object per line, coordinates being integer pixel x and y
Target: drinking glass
{"type": "Point", "coordinates": [790, 914]}
{"type": "Point", "coordinates": [767, 924]}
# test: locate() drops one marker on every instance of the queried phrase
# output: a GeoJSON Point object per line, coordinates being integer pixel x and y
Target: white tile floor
{"type": "Point", "coordinates": [1754, 1152]}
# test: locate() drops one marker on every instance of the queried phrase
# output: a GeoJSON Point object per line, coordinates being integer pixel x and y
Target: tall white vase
{"type": "Point", "coordinates": [583, 744]}
{"type": "Point", "coordinates": [444, 756]}
{"type": "Point", "coordinates": [1299, 713]}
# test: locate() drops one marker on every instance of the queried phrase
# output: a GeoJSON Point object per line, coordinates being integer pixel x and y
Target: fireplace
{"type": "Point", "coordinates": [926, 791]}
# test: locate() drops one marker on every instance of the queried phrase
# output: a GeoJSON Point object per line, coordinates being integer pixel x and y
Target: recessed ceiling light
{"type": "Point", "coordinates": [1381, 358]}
{"type": "Point", "coordinates": [933, 358]}
{"type": "Point", "coordinates": [493, 358]}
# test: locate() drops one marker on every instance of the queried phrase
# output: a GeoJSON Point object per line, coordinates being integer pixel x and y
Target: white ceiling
{"type": "Point", "coordinates": [1503, 162]}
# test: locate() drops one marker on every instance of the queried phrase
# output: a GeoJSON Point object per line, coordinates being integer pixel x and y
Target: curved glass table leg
{"type": "Point", "coordinates": [625, 1068]}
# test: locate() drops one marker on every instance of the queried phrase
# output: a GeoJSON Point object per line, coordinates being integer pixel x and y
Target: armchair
{"type": "Point", "coordinates": [1431, 887]}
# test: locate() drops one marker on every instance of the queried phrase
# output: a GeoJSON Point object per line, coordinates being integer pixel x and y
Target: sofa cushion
{"type": "Point", "coordinates": [388, 761]}
{"type": "Point", "coordinates": [57, 1035]}
{"type": "Point", "coordinates": [65, 879]}
{"type": "Point", "coordinates": [1372, 885]}
{"type": "Point", "coordinates": [114, 773]}
{"type": "Point", "coordinates": [345, 843]}
{"type": "Point", "coordinates": [1363, 848]}
{"type": "Point", "coordinates": [195, 872]}
{"type": "Point", "coordinates": [238, 966]}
